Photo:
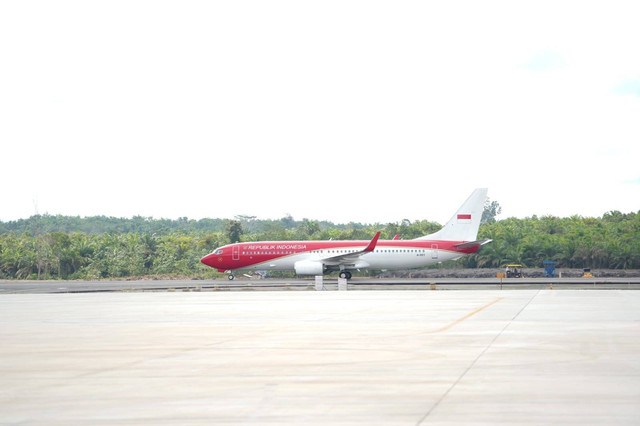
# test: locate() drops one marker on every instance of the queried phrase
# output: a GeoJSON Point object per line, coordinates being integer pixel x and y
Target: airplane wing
{"type": "Point", "coordinates": [351, 257]}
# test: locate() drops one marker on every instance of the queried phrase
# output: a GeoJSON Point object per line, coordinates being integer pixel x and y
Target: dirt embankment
{"type": "Point", "coordinates": [492, 273]}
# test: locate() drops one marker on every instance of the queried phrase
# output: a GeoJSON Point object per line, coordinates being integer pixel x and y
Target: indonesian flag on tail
{"type": "Point", "coordinates": [464, 218]}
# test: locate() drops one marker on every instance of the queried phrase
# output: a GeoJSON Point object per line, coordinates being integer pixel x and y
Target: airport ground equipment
{"type": "Point", "coordinates": [587, 273]}
{"type": "Point", "coordinates": [514, 271]}
{"type": "Point", "coordinates": [549, 268]}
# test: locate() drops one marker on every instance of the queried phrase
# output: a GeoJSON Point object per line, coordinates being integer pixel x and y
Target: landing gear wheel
{"type": "Point", "coordinates": [231, 277]}
{"type": "Point", "coordinates": [345, 274]}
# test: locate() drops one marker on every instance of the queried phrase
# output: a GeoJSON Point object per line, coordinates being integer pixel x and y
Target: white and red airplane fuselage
{"type": "Point", "coordinates": [454, 240]}
{"type": "Point", "coordinates": [319, 257]}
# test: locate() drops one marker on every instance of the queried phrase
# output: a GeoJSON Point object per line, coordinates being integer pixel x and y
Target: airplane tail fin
{"type": "Point", "coordinates": [463, 226]}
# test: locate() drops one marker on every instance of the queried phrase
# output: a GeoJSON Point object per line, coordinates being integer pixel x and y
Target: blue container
{"type": "Point", "coordinates": [549, 268]}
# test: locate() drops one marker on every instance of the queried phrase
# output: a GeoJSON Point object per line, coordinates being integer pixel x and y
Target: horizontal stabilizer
{"type": "Point", "coordinates": [472, 244]}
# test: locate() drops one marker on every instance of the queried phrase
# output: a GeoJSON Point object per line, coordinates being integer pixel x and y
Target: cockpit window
{"type": "Point", "coordinates": [217, 252]}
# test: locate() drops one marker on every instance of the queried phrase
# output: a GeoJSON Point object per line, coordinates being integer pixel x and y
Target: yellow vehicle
{"type": "Point", "coordinates": [514, 271]}
{"type": "Point", "coordinates": [587, 273]}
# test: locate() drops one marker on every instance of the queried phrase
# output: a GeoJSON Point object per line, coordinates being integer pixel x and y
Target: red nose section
{"type": "Point", "coordinates": [215, 261]}
{"type": "Point", "coordinates": [209, 260]}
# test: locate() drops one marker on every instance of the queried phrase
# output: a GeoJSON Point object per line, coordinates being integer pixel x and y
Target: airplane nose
{"type": "Point", "coordinates": [208, 259]}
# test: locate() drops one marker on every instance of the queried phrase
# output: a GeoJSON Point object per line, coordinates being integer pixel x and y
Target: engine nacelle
{"type": "Point", "coordinates": [308, 267]}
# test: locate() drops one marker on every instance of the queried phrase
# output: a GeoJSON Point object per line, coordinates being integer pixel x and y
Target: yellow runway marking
{"type": "Point", "coordinates": [469, 315]}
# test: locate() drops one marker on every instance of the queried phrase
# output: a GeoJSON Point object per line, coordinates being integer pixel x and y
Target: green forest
{"type": "Point", "coordinates": [67, 247]}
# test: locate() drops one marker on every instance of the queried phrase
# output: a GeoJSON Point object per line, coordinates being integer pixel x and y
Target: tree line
{"type": "Point", "coordinates": [61, 247]}
{"type": "Point", "coordinates": [609, 242]}
{"type": "Point", "coordinates": [46, 223]}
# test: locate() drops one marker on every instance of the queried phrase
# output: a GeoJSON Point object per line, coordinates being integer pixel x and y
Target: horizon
{"type": "Point", "coordinates": [498, 218]}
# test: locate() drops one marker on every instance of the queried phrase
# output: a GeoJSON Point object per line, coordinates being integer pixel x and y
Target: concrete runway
{"type": "Point", "coordinates": [331, 283]}
{"type": "Point", "coordinates": [306, 357]}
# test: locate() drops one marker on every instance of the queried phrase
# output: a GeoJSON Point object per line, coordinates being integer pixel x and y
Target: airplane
{"type": "Point", "coordinates": [456, 239]}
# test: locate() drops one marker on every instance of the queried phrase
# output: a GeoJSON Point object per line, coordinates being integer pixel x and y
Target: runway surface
{"type": "Point", "coordinates": [335, 357]}
{"type": "Point", "coordinates": [358, 283]}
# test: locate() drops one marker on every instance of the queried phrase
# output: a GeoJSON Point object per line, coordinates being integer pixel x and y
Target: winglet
{"type": "Point", "coordinates": [372, 244]}
{"type": "Point", "coordinates": [397, 237]}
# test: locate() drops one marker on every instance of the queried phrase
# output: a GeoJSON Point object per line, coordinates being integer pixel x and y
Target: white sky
{"type": "Point", "coordinates": [364, 111]}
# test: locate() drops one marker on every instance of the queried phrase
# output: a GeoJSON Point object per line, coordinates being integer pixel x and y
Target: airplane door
{"type": "Point", "coordinates": [235, 253]}
{"type": "Point", "coordinates": [434, 251]}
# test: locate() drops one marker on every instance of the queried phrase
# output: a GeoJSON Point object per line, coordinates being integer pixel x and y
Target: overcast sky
{"type": "Point", "coordinates": [364, 111]}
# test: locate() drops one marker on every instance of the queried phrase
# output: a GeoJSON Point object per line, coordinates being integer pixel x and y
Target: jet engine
{"type": "Point", "coordinates": [308, 267]}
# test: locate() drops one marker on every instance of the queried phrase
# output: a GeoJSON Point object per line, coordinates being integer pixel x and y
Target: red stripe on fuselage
{"type": "Point", "coordinates": [265, 251]}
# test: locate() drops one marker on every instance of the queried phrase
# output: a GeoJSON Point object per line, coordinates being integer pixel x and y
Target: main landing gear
{"type": "Point", "coordinates": [231, 277]}
{"type": "Point", "coordinates": [345, 274]}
